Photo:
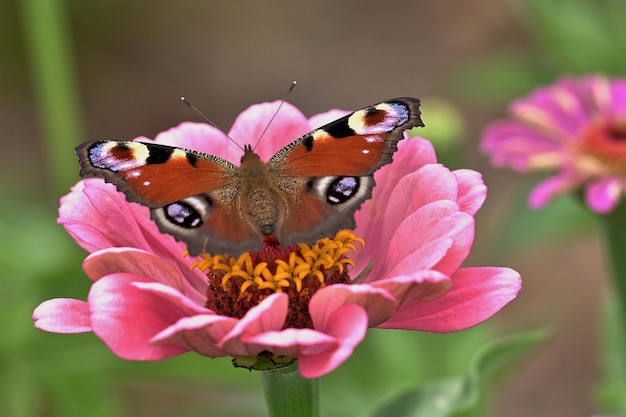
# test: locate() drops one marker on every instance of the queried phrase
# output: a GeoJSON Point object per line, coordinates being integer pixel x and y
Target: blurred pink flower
{"type": "Point", "coordinates": [575, 127]}
{"type": "Point", "coordinates": [146, 303]}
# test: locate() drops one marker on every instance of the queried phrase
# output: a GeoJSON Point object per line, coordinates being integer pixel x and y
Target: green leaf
{"type": "Point", "coordinates": [454, 395]}
{"type": "Point", "coordinates": [437, 399]}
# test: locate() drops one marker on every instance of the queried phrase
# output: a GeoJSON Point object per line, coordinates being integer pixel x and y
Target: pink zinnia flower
{"type": "Point", "coordinates": [576, 127]}
{"type": "Point", "coordinates": [146, 303]}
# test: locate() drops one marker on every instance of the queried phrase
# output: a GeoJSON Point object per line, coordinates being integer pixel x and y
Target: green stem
{"type": "Point", "coordinates": [615, 230]}
{"type": "Point", "coordinates": [54, 82]}
{"type": "Point", "coordinates": [288, 394]}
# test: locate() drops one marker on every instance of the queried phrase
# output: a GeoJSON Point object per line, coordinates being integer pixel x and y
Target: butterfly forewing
{"type": "Point", "coordinates": [356, 144]}
{"type": "Point", "coordinates": [153, 174]}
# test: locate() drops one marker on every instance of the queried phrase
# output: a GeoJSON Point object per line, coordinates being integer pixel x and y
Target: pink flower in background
{"type": "Point", "coordinates": [575, 128]}
{"type": "Point", "coordinates": [146, 303]}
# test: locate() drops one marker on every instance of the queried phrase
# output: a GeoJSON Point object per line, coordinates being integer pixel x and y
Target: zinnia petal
{"type": "Point", "coordinates": [472, 191]}
{"type": "Point", "coordinates": [254, 122]}
{"type": "Point", "coordinates": [63, 315]}
{"type": "Point", "coordinates": [377, 302]}
{"type": "Point", "coordinates": [476, 294]}
{"type": "Point", "coordinates": [348, 326]}
{"type": "Point", "coordinates": [127, 318]}
{"type": "Point", "coordinates": [269, 315]}
{"type": "Point", "coordinates": [201, 333]}
{"type": "Point", "coordinates": [603, 195]}
{"type": "Point", "coordinates": [543, 193]}
{"type": "Point", "coordinates": [200, 137]}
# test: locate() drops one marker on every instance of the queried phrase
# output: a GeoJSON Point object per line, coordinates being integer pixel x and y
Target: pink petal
{"type": "Point", "coordinates": [172, 296]}
{"type": "Point", "coordinates": [200, 137]}
{"type": "Point", "coordinates": [617, 99]}
{"type": "Point", "coordinates": [268, 315]}
{"type": "Point", "coordinates": [472, 191]}
{"type": "Point", "coordinates": [423, 257]}
{"type": "Point", "coordinates": [294, 342]}
{"type": "Point", "coordinates": [382, 208]}
{"type": "Point", "coordinates": [411, 155]}
{"type": "Point", "coordinates": [544, 191]}
{"type": "Point", "coordinates": [126, 318]}
{"type": "Point", "coordinates": [133, 261]}
{"type": "Point", "coordinates": [558, 109]}
{"type": "Point", "coordinates": [348, 326]}
{"type": "Point", "coordinates": [603, 194]}
{"type": "Point", "coordinates": [476, 294]}
{"type": "Point", "coordinates": [126, 224]}
{"type": "Point", "coordinates": [514, 143]}
{"type": "Point", "coordinates": [81, 220]}
{"type": "Point", "coordinates": [433, 221]}
{"type": "Point", "coordinates": [322, 119]}
{"type": "Point", "coordinates": [63, 315]}
{"type": "Point", "coordinates": [254, 122]}
{"type": "Point", "coordinates": [408, 251]}
{"type": "Point", "coordinates": [98, 217]}
{"type": "Point", "coordinates": [419, 286]}
{"type": "Point", "coordinates": [433, 182]}
{"type": "Point", "coordinates": [199, 333]}
{"type": "Point", "coordinates": [598, 90]}
{"type": "Point", "coordinates": [378, 303]}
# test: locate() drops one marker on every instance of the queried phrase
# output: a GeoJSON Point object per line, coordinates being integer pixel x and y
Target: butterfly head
{"type": "Point", "coordinates": [248, 152]}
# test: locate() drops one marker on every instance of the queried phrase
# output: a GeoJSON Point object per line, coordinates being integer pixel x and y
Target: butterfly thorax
{"type": "Point", "coordinates": [261, 204]}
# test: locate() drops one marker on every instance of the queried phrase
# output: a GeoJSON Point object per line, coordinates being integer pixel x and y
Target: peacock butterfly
{"type": "Point", "coordinates": [308, 190]}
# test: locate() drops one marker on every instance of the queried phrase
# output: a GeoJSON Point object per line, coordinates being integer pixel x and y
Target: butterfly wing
{"type": "Point", "coordinates": [322, 179]}
{"type": "Point", "coordinates": [336, 163]}
{"type": "Point", "coordinates": [191, 195]}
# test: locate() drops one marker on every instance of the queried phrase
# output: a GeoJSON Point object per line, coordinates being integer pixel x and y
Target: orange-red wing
{"type": "Point", "coordinates": [153, 174]}
{"type": "Point", "coordinates": [161, 184]}
{"type": "Point", "coordinates": [350, 156]}
{"type": "Point", "coordinates": [354, 145]}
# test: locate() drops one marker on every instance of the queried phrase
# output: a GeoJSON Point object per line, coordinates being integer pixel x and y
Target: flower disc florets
{"type": "Point", "coordinates": [603, 143]}
{"type": "Point", "coordinates": [237, 284]}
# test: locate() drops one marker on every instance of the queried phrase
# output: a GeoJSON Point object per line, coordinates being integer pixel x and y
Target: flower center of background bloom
{"type": "Point", "coordinates": [238, 284]}
{"type": "Point", "coordinates": [605, 141]}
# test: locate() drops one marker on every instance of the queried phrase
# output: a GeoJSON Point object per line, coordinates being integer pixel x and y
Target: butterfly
{"type": "Point", "coordinates": [308, 190]}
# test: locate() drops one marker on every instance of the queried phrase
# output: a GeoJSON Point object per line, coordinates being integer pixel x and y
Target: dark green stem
{"type": "Point", "coordinates": [54, 82]}
{"type": "Point", "coordinates": [288, 394]}
{"type": "Point", "coordinates": [615, 230]}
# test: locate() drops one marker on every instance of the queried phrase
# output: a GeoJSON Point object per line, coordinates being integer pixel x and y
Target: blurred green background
{"type": "Point", "coordinates": [121, 76]}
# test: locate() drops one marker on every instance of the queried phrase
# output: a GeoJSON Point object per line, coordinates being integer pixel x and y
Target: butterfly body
{"type": "Point", "coordinates": [308, 190]}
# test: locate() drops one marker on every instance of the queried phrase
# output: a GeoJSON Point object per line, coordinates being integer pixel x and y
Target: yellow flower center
{"type": "Point", "coordinates": [237, 284]}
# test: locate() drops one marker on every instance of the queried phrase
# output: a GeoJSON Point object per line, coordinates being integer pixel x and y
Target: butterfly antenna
{"type": "Point", "coordinates": [209, 121]}
{"type": "Point", "coordinates": [291, 87]}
